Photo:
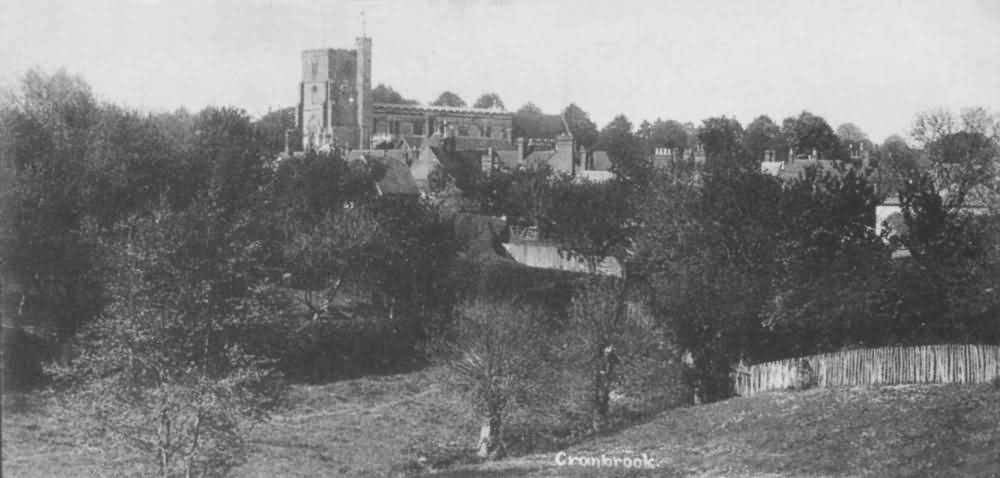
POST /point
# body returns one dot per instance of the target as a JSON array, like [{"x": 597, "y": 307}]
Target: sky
[{"x": 876, "y": 63}]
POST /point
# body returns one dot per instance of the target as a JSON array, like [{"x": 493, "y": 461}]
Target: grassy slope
[
  {"x": 373, "y": 426},
  {"x": 379, "y": 426},
  {"x": 933, "y": 431}
]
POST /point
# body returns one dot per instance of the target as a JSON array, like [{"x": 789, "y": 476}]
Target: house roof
[
  {"x": 397, "y": 179},
  {"x": 414, "y": 141},
  {"x": 794, "y": 169},
  {"x": 539, "y": 125},
  {"x": 479, "y": 143},
  {"x": 509, "y": 159}
]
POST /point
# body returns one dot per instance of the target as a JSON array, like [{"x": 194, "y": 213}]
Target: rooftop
[{"x": 440, "y": 109}]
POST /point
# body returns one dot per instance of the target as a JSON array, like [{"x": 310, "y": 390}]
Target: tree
[
  {"x": 489, "y": 101},
  {"x": 980, "y": 120},
  {"x": 597, "y": 338},
  {"x": 493, "y": 357},
  {"x": 592, "y": 220},
  {"x": 707, "y": 248},
  {"x": 669, "y": 134},
  {"x": 449, "y": 99},
  {"x": 529, "y": 108},
  {"x": 273, "y": 127},
  {"x": 930, "y": 126},
  {"x": 850, "y": 133},
  {"x": 761, "y": 135},
  {"x": 723, "y": 141},
  {"x": 584, "y": 130},
  {"x": 896, "y": 163},
  {"x": 48, "y": 125},
  {"x": 320, "y": 257},
  {"x": 628, "y": 161},
  {"x": 166, "y": 371},
  {"x": 809, "y": 132},
  {"x": 385, "y": 94}
]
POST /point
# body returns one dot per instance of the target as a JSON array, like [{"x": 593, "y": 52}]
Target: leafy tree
[
  {"x": 580, "y": 125},
  {"x": 489, "y": 101},
  {"x": 272, "y": 128},
  {"x": 850, "y": 133},
  {"x": 48, "y": 125},
  {"x": 763, "y": 134},
  {"x": 449, "y": 98},
  {"x": 669, "y": 134},
  {"x": 723, "y": 141},
  {"x": 494, "y": 359},
  {"x": 809, "y": 132},
  {"x": 321, "y": 257},
  {"x": 385, "y": 94},
  {"x": 166, "y": 372},
  {"x": 707, "y": 247},
  {"x": 941, "y": 293},
  {"x": 592, "y": 220},
  {"x": 896, "y": 163},
  {"x": 830, "y": 273},
  {"x": 529, "y": 108},
  {"x": 624, "y": 149}
]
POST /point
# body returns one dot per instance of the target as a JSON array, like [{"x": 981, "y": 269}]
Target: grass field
[{"x": 382, "y": 425}]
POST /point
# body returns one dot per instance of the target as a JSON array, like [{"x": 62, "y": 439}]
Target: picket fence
[{"x": 885, "y": 365}]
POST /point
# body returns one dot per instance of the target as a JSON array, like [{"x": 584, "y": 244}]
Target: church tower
[{"x": 335, "y": 108}]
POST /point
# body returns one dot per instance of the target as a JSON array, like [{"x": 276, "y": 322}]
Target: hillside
[
  {"x": 932, "y": 431},
  {"x": 383, "y": 425}
]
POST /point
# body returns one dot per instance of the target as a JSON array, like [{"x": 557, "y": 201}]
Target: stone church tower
[{"x": 335, "y": 97}]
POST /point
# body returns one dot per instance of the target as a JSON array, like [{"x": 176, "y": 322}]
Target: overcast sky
[{"x": 874, "y": 63}]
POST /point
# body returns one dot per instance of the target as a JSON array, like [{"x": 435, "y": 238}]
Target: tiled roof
[
  {"x": 509, "y": 159},
  {"x": 412, "y": 140},
  {"x": 438, "y": 109},
  {"x": 537, "y": 125},
  {"x": 478, "y": 143},
  {"x": 397, "y": 179}
]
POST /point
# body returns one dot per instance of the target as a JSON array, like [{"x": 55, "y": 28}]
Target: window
[
  {"x": 315, "y": 67},
  {"x": 406, "y": 127}
]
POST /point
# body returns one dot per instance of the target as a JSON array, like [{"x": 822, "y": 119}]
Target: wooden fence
[{"x": 886, "y": 365}]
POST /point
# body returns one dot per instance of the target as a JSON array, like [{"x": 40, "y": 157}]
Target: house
[
  {"x": 664, "y": 158},
  {"x": 396, "y": 180}
]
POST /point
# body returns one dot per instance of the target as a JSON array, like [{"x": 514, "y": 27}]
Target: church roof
[
  {"x": 538, "y": 125},
  {"x": 439, "y": 109}
]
